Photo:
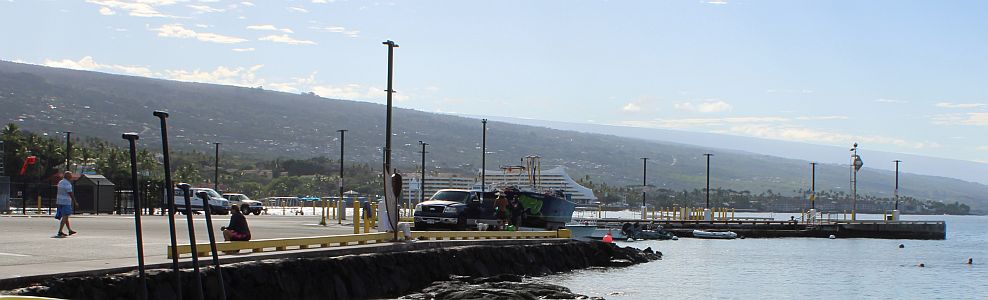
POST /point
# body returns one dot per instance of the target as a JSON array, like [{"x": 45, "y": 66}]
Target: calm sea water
[{"x": 803, "y": 268}]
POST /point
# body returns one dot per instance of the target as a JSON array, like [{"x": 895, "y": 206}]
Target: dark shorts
[{"x": 239, "y": 236}]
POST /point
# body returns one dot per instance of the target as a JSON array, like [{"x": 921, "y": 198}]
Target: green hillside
[{"x": 274, "y": 124}]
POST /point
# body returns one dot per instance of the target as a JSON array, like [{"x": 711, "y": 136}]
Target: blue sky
[{"x": 899, "y": 76}]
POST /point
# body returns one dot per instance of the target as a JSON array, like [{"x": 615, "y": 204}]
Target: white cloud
[
  {"x": 337, "y": 29},
  {"x": 961, "y": 105},
  {"x": 285, "y": 39},
  {"x": 817, "y": 136},
  {"x": 243, "y": 49},
  {"x": 973, "y": 119},
  {"x": 201, "y": 9},
  {"x": 704, "y": 107},
  {"x": 631, "y": 107},
  {"x": 140, "y": 8},
  {"x": 821, "y": 118},
  {"x": 177, "y": 31},
  {"x": 297, "y": 9},
  {"x": 245, "y": 3},
  {"x": 240, "y": 76},
  {"x": 883, "y": 100},
  {"x": 692, "y": 122},
  {"x": 269, "y": 27},
  {"x": 717, "y": 2},
  {"x": 354, "y": 92},
  {"x": 322, "y": 1},
  {"x": 106, "y": 11},
  {"x": 90, "y": 64},
  {"x": 983, "y": 148}
]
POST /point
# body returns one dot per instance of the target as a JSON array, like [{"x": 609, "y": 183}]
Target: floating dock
[{"x": 760, "y": 228}]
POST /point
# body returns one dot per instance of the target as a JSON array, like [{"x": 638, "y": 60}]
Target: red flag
[{"x": 30, "y": 160}]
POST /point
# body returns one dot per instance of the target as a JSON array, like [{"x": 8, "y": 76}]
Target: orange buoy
[{"x": 608, "y": 238}]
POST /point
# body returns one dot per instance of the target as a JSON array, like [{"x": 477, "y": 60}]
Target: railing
[{"x": 284, "y": 244}]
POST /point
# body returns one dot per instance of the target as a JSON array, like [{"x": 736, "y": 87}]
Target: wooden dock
[{"x": 760, "y": 228}]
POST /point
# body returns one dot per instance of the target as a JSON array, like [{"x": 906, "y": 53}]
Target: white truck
[
  {"x": 217, "y": 204},
  {"x": 247, "y": 206}
]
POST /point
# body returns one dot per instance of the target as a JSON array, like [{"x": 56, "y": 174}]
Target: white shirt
[{"x": 64, "y": 188}]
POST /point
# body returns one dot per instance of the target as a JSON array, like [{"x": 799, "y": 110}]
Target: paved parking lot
[{"x": 106, "y": 241}]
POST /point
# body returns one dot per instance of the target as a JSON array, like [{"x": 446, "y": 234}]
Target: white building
[{"x": 547, "y": 180}]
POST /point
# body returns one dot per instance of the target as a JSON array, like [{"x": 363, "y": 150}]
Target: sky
[{"x": 897, "y": 76}]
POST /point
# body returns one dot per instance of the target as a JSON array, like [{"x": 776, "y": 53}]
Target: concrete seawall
[{"x": 375, "y": 275}]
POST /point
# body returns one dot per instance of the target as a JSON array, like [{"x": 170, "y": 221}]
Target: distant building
[
  {"x": 544, "y": 181},
  {"x": 433, "y": 182},
  {"x": 547, "y": 180}
]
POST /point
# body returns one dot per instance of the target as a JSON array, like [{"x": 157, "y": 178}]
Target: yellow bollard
[
  {"x": 39, "y": 205},
  {"x": 372, "y": 217},
  {"x": 356, "y": 216},
  {"x": 367, "y": 221}
]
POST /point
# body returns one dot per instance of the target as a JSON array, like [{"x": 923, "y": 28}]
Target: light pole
[
  {"x": 483, "y": 161},
  {"x": 708, "y": 155},
  {"x": 422, "y": 181},
  {"x": 393, "y": 207},
  {"x": 897, "y": 183},
  {"x": 216, "y": 169},
  {"x": 644, "y": 184},
  {"x": 813, "y": 187},
  {"x": 342, "y": 203},
  {"x": 68, "y": 150},
  {"x": 856, "y": 164}
]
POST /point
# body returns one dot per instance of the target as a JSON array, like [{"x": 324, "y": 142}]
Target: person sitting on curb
[{"x": 238, "y": 229}]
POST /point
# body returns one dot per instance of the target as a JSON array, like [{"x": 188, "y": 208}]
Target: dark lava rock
[{"x": 505, "y": 286}]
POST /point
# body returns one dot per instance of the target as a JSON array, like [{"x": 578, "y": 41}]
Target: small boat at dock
[{"x": 725, "y": 235}]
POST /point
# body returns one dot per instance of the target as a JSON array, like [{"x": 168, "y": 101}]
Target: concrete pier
[{"x": 915, "y": 230}]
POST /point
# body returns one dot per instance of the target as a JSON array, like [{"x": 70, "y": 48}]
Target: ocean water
[{"x": 802, "y": 268}]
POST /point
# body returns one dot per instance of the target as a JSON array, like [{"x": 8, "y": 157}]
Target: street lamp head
[{"x": 390, "y": 43}]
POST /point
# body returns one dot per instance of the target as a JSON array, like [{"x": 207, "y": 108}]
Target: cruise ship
[{"x": 544, "y": 181}]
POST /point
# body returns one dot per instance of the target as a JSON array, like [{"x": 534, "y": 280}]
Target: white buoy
[
  {"x": 832, "y": 236},
  {"x": 631, "y": 239},
  {"x": 675, "y": 238}
]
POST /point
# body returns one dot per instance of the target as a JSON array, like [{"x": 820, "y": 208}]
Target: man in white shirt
[{"x": 66, "y": 202}]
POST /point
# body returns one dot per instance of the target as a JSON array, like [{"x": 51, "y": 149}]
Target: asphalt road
[{"x": 27, "y": 245}]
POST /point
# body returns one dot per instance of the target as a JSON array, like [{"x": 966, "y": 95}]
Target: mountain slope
[{"x": 275, "y": 124}]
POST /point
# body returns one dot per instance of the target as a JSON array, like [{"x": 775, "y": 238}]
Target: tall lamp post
[
  {"x": 895, "y": 212},
  {"x": 68, "y": 150},
  {"x": 216, "y": 169},
  {"x": 483, "y": 161},
  {"x": 393, "y": 207},
  {"x": 342, "y": 148},
  {"x": 644, "y": 184},
  {"x": 707, "y": 215},
  {"x": 856, "y": 164},
  {"x": 422, "y": 184},
  {"x": 813, "y": 187}
]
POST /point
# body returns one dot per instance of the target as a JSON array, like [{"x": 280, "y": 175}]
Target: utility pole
[
  {"x": 483, "y": 161},
  {"x": 422, "y": 181},
  {"x": 644, "y": 183},
  {"x": 342, "y": 148},
  {"x": 708, "y": 155},
  {"x": 813, "y": 187},
  {"x": 68, "y": 151},
  {"x": 897, "y": 183},
  {"x": 393, "y": 208},
  {"x": 856, "y": 164},
  {"x": 216, "y": 169}
]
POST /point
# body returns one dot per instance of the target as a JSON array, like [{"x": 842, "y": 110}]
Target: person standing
[
  {"x": 66, "y": 202},
  {"x": 501, "y": 205},
  {"x": 237, "y": 230}
]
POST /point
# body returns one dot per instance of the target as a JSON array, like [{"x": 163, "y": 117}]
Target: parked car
[
  {"x": 217, "y": 204},
  {"x": 455, "y": 209},
  {"x": 247, "y": 206}
]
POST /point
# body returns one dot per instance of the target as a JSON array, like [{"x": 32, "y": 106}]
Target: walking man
[{"x": 66, "y": 202}]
